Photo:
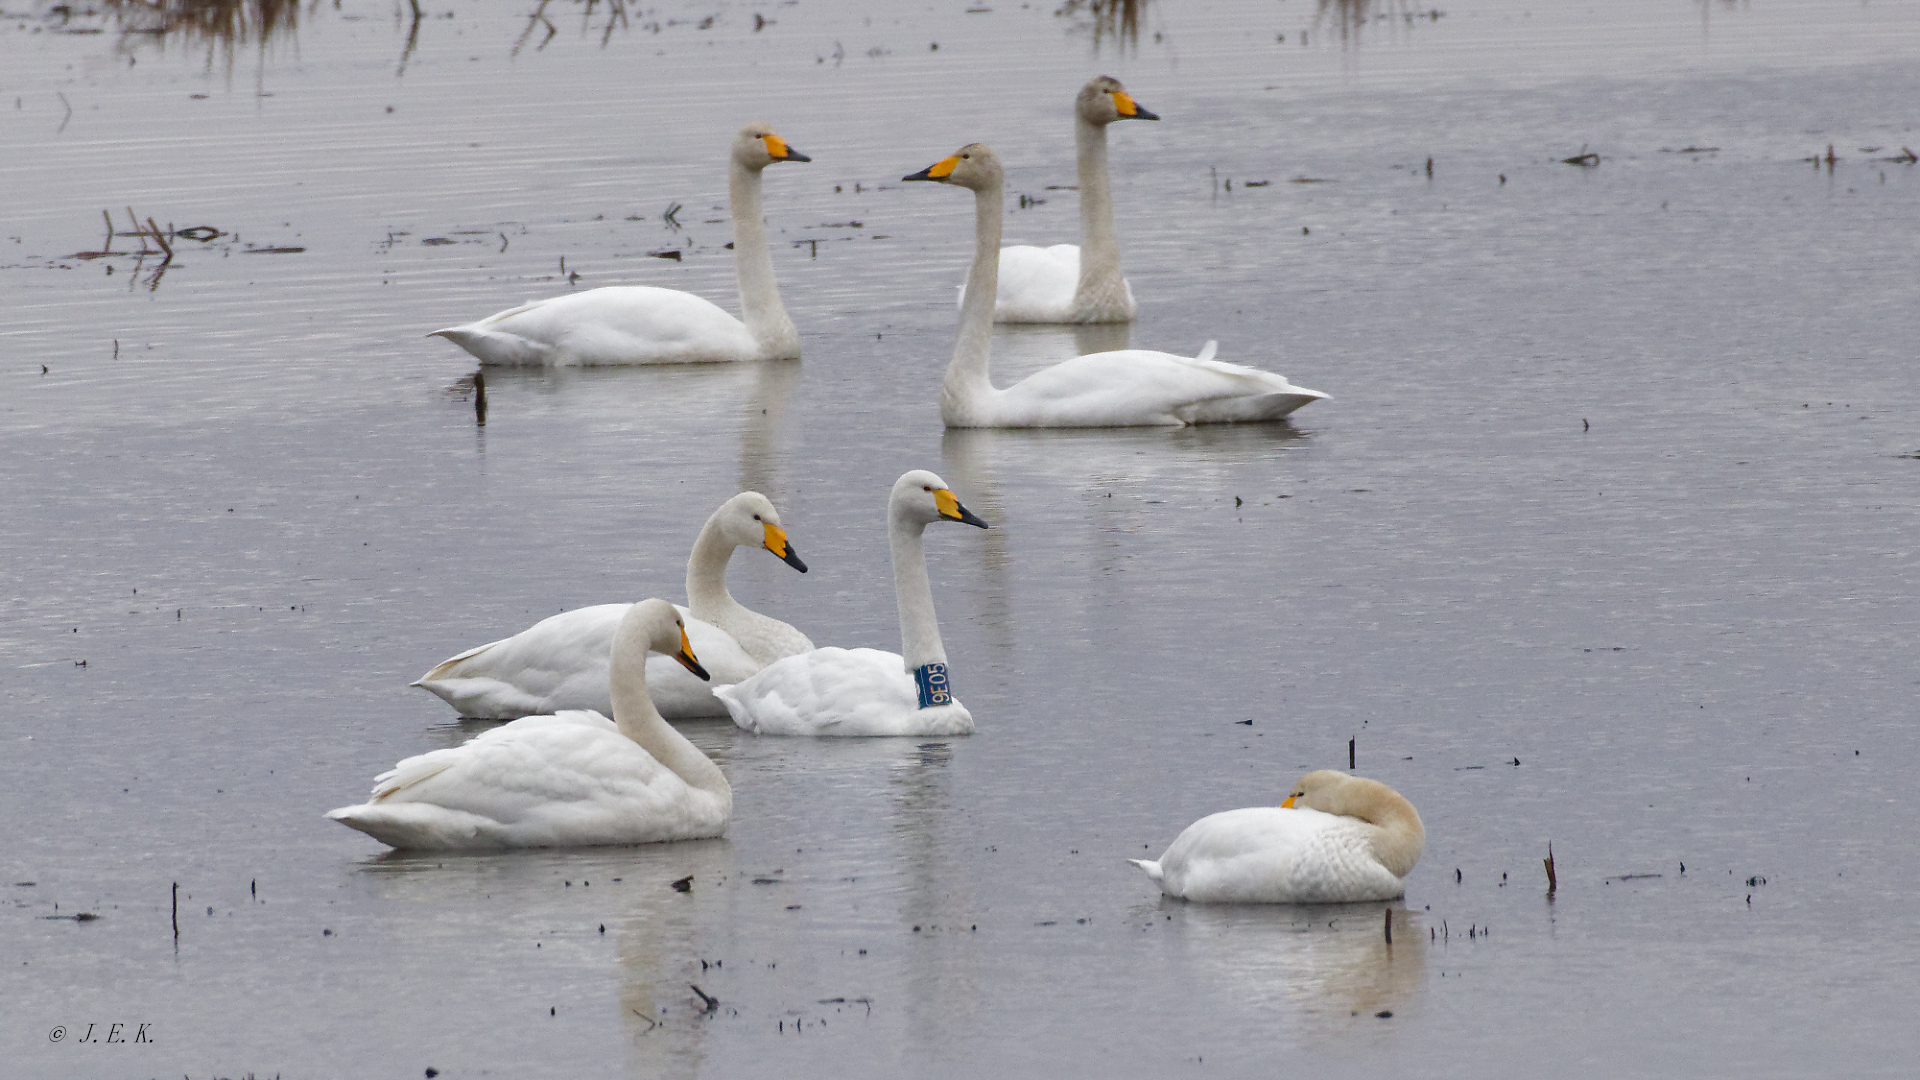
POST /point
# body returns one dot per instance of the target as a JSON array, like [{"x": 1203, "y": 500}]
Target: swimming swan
[
  {"x": 641, "y": 324},
  {"x": 1067, "y": 283},
  {"x": 866, "y": 691},
  {"x": 1349, "y": 839},
  {"x": 561, "y": 662},
  {"x": 1130, "y": 387},
  {"x": 573, "y": 778}
]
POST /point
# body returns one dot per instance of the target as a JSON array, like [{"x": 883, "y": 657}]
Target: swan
[
  {"x": 573, "y": 778},
  {"x": 867, "y": 691},
  {"x": 641, "y": 324},
  {"x": 561, "y": 662},
  {"x": 1349, "y": 839},
  {"x": 1054, "y": 284},
  {"x": 1126, "y": 388}
]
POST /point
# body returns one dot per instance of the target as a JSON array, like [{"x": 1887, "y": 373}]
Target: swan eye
[{"x": 756, "y": 517}]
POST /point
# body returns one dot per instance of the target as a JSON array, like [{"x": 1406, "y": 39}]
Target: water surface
[{"x": 1605, "y": 539}]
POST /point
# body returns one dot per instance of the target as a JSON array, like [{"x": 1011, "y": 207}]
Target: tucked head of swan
[
  {"x": 1398, "y": 843},
  {"x": 758, "y": 146},
  {"x": 974, "y": 166},
  {"x": 1103, "y": 100}
]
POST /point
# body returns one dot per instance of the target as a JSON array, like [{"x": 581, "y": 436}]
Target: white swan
[
  {"x": 1126, "y": 388},
  {"x": 574, "y": 778},
  {"x": 1349, "y": 839},
  {"x": 640, "y": 324},
  {"x": 1066, "y": 283},
  {"x": 561, "y": 662},
  {"x": 866, "y": 691}
]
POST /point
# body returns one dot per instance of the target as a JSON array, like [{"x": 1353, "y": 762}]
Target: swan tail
[
  {"x": 496, "y": 347},
  {"x": 447, "y": 669},
  {"x": 1152, "y": 867},
  {"x": 1207, "y": 350},
  {"x": 412, "y": 772}
]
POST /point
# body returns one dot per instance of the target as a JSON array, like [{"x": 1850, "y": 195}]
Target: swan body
[
  {"x": 562, "y": 661},
  {"x": 641, "y": 324},
  {"x": 1126, "y": 388},
  {"x": 861, "y": 692},
  {"x": 1352, "y": 839},
  {"x": 1053, "y": 284},
  {"x": 572, "y": 778}
]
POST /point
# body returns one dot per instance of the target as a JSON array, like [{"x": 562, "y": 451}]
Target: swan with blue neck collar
[{"x": 870, "y": 692}]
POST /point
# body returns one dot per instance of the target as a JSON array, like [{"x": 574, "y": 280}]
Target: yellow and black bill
[
  {"x": 951, "y": 509},
  {"x": 778, "y": 544},
  {"x": 1129, "y": 108},
  {"x": 685, "y": 656},
  {"x": 778, "y": 149},
  {"x": 939, "y": 170}
]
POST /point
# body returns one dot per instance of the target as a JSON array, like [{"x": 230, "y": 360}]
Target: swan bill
[
  {"x": 778, "y": 544},
  {"x": 778, "y": 150},
  {"x": 686, "y": 659},
  {"x": 938, "y": 171},
  {"x": 1130, "y": 109},
  {"x": 1287, "y": 804},
  {"x": 951, "y": 509}
]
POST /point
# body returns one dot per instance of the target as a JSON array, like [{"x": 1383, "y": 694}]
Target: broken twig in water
[
  {"x": 712, "y": 1002},
  {"x": 1389, "y": 924},
  {"x": 1553, "y": 880},
  {"x": 1585, "y": 159}
]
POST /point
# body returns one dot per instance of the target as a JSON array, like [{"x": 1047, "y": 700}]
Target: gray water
[{"x": 1606, "y": 539}]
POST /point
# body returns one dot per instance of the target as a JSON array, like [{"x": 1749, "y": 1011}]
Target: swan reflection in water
[{"x": 1319, "y": 963}]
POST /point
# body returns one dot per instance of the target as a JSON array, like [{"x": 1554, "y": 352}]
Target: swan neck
[
  {"x": 1398, "y": 836},
  {"x": 968, "y": 381},
  {"x": 707, "y": 595},
  {"x": 1099, "y": 246},
  {"x": 913, "y": 592},
  {"x": 637, "y": 719},
  {"x": 760, "y": 306}
]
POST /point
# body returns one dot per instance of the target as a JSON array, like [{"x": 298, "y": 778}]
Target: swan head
[
  {"x": 1103, "y": 100},
  {"x": 659, "y": 624},
  {"x": 749, "y": 520},
  {"x": 758, "y": 146},
  {"x": 924, "y": 499},
  {"x": 974, "y": 166}
]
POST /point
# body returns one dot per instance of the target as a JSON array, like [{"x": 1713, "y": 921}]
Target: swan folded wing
[
  {"x": 626, "y": 324},
  {"x": 557, "y": 663},
  {"x": 1274, "y": 855},
  {"x": 1131, "y": 387},
  {"x": 566, "y": 779},
  {"x": 838, "y": 692}
]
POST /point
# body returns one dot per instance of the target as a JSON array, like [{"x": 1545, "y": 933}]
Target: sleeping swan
[
  {"x": 561, "y": 662},
  {"x": 641, "y": 324},
  {"x": 574, "y": 778},
  {"x": 1126, "y": 388},
  {"x": 1348, "y": 839},
  {"x": 1065, "y": 283},
  {"x": 866, "y": 691}
]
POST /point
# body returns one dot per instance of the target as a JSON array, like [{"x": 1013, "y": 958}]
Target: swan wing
[
  {"x": 557, "y": 663},
  {"x": 562, "y": 662},
  {"x": 565, "y": 779},
  {"x": 1269, "y": 854},
  {"x": 1140, "y": 386},
  {"x": 838, "y": 692},
  {"x": 620, "y": 324}
]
